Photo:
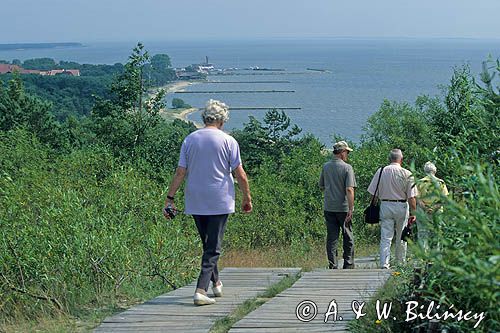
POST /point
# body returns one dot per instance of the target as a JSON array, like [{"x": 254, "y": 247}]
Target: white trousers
[{"x": 392, "y": 215}]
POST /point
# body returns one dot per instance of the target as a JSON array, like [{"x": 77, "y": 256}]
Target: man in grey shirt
[{"x": 337, "y": 181}]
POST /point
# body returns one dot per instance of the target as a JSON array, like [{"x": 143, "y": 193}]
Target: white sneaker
[
  {"x": 200, "y": 299},
  {"x": 217, "y": 290}
]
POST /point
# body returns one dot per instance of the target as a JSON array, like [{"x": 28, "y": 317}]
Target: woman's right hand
[
  {"x": 168, "y": 203},
  {"x": 247, "y": 206}
]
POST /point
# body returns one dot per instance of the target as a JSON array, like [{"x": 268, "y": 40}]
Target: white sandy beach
[
  {"x": 179, "y": 86},
  {"x": 184, "y": 116}
]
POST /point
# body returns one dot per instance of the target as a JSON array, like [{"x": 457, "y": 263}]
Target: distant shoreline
[
  {"x": 24, "y": 46},
  {"x": 175, "y": 114}
]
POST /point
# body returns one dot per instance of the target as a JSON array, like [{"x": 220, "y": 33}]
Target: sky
[{"x": 24, "y": 21}]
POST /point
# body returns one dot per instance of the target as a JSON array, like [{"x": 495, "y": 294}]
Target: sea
[{"x": 349, "y": 80}]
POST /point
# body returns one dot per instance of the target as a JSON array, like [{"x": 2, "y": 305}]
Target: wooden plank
[
  {"x": 175, "y": 311},
  {"x": 321, "y": 287}
]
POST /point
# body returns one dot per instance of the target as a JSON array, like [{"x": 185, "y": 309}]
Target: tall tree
[
  {"x": 19, "y": 109},
  {"x": 132, "y": 107}
]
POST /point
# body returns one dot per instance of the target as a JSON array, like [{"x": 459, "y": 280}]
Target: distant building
[
  {"x": 74, "y": 72},
  {"x": 204, "y": 68},
  {"x": 8, "y": 68},
  {"x": 188, "y": 75},
  {"x": 30, "y": 71},
  {"x": 53, "y": 72}
]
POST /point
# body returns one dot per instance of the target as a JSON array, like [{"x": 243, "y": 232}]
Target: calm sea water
[{"x": 363, "y": 72}]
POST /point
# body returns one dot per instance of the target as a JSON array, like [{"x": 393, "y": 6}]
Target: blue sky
[{"x": 149, "y": 20}]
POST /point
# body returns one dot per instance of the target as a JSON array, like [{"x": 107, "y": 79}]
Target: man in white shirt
[{"x": 397, "y": 192}]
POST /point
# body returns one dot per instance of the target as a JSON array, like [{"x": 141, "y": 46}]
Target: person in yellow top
[{"x": 431, "y": 191}]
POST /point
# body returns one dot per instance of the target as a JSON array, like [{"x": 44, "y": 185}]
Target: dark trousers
[
  {"x": 211, "y": 229},
  {"x": 334, "y": 222}
]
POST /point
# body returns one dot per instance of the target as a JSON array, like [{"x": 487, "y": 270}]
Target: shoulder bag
[{"x": 372, "y": 212}]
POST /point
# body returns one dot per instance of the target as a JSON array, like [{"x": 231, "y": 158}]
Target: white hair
[
  {"x": 395, "y": 155},
  {"x": 429, "y": 167},
  {"x": 215, "y": 111}
]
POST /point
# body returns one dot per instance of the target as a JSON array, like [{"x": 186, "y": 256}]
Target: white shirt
[{"x": 396, "y": 183}]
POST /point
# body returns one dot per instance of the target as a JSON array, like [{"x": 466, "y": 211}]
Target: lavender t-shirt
[{"x": 209, "y": 155}]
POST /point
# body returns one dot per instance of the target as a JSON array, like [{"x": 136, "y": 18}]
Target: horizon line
[{"x": 250, "y": 38}]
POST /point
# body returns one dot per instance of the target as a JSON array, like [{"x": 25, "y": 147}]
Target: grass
[
  {"x": 223, "y": 325},
  {"x": 393, "y": 291},
  {"x": 310, "y": 257},
  {"x": 84, "y": 321}
]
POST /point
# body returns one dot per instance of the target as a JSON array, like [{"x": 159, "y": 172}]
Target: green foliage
[
  {"x": 160, "y": 71},
  {"x": 272, "y": 139},
  {"x": 76, "y": 196},
  {"x": 75, "y": 96},
  {"x": 69, "y": 95},
  {"x": 43, "y": 64},
  {"x": 130, "y": 124},
  {"x": 403, "y": 126},
  {"x": 81, "y": 230},
  {"x": 178, "y": 103},
  {"x": 18, "y": 109},
  {"x": 461, "y": 267},
  {"x": 161, "y": 62},
  {"x": 466, "y": 249},
  {"x": 287, "y": 202},
  {"x": 397, "y": 291},
  {"x": 471, "y": 115}
]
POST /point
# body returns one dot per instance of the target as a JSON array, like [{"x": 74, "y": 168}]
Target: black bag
[
  {"x": 372, "y": 212},
  {"x": 407, "y": 233}
]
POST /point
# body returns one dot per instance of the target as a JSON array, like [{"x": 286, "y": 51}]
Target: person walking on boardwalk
[
  {"x": 208, "y": 158},
  {"x": 431, "y": 191},
  {"x": 337, "y": 181},
  {"x": 397, "y": 193}
]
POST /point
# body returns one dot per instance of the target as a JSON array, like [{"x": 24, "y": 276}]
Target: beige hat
[{"x": 341, "y": 145}]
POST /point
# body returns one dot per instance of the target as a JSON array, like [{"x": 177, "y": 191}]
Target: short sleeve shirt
[
  {"x": 335, "y": 177},
  {"x": 396, "y": 183},
  {"x": 209, "y": 155},
  {"x": 428, "y": 188}
]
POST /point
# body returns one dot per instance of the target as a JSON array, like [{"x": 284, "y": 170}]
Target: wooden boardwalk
[
  {"x": 175, "y": 312},
  {"x": 321, "y": 287}
]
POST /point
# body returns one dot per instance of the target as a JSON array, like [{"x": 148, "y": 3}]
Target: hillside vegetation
[{"x": 81, "y": 198}]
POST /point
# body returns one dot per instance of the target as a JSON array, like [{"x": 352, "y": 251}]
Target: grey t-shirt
[{"x": 335, "y": 177}]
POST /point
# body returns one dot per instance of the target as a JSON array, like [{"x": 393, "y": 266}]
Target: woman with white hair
[
  {"x": 431, "y": 190},
  {"x": 208, "y": 158}
]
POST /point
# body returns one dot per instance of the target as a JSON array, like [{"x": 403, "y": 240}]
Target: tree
[
  {"x": 161, "y": 62},
  {"x": 159, "y": 70},
  {"x": 131, "y": 112},
  {"x": 470, "y": 120},
  {"x": 272, "y": 139},
  {"x": 21, "y": 110},
  {"x": 40, "y": 63},
  {"x": 178, "y": 103}
]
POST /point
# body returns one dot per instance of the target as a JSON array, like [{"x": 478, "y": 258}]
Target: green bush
[
  {"x": 461, "y": 268},
  {"x": 82, "y": 230},
  {"x": 465, "y": 252},
  {"x": 178, "y": 103}
]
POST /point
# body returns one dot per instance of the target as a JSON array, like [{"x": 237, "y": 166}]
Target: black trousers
[
  {"x": 211, "y": 229},
  {"x": 334, "y": 222}
]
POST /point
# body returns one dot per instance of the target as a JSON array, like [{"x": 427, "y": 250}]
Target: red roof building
[
  {"x": 7, "y": 68},
  {"x": 30, "y": 71}
]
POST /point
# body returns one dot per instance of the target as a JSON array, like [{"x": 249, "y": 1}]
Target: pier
[
  {"x": 247, "y": 82},
  {"x": 235, "y": 92},
  {"x": 265, "y": 108}
]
